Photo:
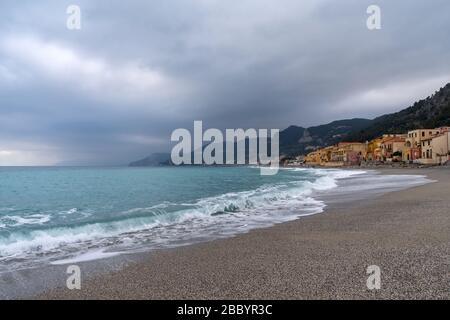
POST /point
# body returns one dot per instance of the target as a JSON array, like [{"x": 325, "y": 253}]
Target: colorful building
[
  {"x": 436, "y": 149},
  {"x": 313, "y": 158},
  {"x": 392, "y": 148},
  {"x": 374, "y": 150}
]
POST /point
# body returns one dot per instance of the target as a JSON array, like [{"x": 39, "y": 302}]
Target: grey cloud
[{"x": 251, "y": 63}]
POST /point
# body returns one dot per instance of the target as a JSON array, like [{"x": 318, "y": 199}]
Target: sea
[{"x": 66, "y": 215}]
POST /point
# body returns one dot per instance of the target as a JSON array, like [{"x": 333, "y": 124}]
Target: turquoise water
[{"x": 58, "y": 215}]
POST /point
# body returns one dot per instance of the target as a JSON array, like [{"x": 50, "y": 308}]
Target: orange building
[{"x": 392, "y": 148}]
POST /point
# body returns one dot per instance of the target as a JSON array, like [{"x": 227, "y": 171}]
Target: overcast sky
[{"x": 114, "y": 91}]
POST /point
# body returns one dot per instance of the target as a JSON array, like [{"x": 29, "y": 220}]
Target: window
[{"x": 423, "y": 133}]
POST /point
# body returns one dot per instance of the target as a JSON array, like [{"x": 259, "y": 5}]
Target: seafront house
[
  {"x": 413, "y": 144},
  {"x": 325, "y": 155},
  {"x": 427, "y": 151},
  {"x": 392, "y": 148},
  {"x": 441, "y": 147},
  {"x": 436, "y": 149},
  {"x": 348, "y": 153},
  {"x": 375, "y": 147},
  {"x": 313, "y": 158},
  {"x": 374, "y": 150}
]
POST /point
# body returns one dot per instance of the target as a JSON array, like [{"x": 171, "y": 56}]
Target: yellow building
[
  {"x": 313, "y": 158},
  {"x": 374, "y": 150},
  {"x": 325, "y": 155}
]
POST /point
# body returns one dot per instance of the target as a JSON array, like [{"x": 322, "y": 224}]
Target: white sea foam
[
  {"x": 89, "y": 256},
  {"x": 26, "y": 220},
  {"x": 71, "y": 211}
]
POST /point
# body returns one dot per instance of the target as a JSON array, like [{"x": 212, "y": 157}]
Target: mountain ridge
[
  {"x": 431, "y": 112},
  {"x": 297, "y": 140}
]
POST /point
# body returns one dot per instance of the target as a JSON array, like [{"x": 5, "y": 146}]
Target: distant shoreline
[{"x": 372, "y": 166}]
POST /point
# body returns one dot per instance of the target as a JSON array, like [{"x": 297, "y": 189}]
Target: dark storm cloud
[{"x": 114, "y": 90}]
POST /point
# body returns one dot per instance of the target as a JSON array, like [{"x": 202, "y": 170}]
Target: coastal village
[{"x": 421, "y": 146}]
